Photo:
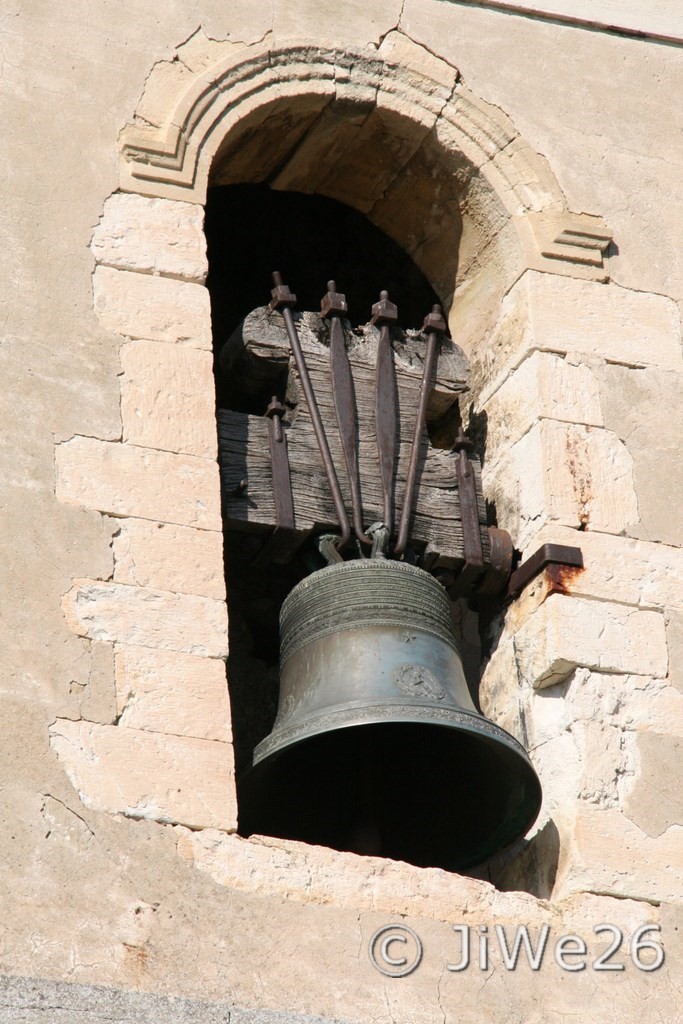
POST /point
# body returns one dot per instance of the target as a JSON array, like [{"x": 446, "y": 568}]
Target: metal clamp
[
  {"x": 284, "y": 539},
  {"x": 469, "y": 515},
  {"x": 282, "y": 485}
]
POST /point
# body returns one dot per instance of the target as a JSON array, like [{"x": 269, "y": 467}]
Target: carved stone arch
[{"x": 392, "y": 132}]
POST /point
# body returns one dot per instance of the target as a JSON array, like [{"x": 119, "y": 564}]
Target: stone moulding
[{"x": 173, "y": 160}]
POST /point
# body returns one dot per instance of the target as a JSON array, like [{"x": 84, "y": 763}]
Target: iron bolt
[
  {"x": 384, "y": 311},
  {"x": 334, "y": 302}
]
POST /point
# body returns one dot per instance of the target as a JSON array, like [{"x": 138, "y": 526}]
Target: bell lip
[
  {"x": 509, "y": 830},
  {"x": 346, "y": 716}
]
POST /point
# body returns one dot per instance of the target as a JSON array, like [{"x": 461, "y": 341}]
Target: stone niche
[{"x": 393, "y": 133}]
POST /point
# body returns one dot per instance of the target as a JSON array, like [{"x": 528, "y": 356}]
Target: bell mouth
[{"x": 434, "y": 794}]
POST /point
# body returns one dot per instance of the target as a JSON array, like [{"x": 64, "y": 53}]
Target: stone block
[
  {"x": 674, "y": 637},
  {"x": 544, "y": 386},
  {"x": 148, "y": 775},
  {"x": 573, "y": 475},
  {"x": 117, "y": 613},
  {"x": 558, "y": 764},
  {"x": 169, "y": 78},
  {"x": 607, "y": 757},
  {"x": 93, "y": 698},
  {"x": 156, "y": 308},
  {"x": 640, "y": 407},
  {"x": 179, "y": 694},
  {"x": 550, "y": 313},
  {"x": 569, "y": 632},
  {"x": 634, "y": 703},
  {"x": 622, "y": 326},
  {"x": 167, "y": 557},
  {"x": 152, "y": 236},
  {"x": 126, "y": 480},
  {"x": 655, "y": 799},
  {"x": 314, "y": 874},
  {"x": 609, "y": 854},
  {"x": 168, "y": 398},
  {"x": 399, "y": 51},
  {"x": 370, "y": 22},
  {"x": 501, "y": 692},
  {"x": 615, "y": 569},
  {"x": 605, "y": 712}
]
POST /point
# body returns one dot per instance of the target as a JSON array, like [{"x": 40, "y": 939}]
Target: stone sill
[{"x": 307, "y": 874}]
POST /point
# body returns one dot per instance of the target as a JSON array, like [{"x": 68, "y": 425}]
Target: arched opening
[
  {"x": 389, "y": 210},
  {"x": 394, "y": 161}
]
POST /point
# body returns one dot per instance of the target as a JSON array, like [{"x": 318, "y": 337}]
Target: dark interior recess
[{"x": 252, "y": 230}]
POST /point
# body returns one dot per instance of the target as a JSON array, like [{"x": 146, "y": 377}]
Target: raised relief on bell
[
  {"x": 417, "y": 681},
  {"x": 286, "y": 709}
]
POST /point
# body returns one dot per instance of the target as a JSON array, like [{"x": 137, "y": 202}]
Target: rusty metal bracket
[{"x": 548, "y": 554}]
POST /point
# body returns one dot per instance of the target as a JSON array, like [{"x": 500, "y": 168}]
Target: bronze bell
[{"x": 377, "y": 747}]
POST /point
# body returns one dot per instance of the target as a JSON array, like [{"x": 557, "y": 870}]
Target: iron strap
[
  {"x": 386, "y": 412},
  {"x": 333, "y": 306}
]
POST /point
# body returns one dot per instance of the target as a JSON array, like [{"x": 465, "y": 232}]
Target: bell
[{"x": 377, "y": 747}]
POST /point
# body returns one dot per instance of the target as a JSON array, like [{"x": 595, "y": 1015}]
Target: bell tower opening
[{"x": 336, "y": 690}]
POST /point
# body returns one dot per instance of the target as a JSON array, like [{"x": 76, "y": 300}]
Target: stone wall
[{"x": 540, "y": 141}]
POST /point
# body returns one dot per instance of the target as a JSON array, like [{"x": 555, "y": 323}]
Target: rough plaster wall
[
  {"x": 600, "y": 107},
  {"x": 95, "y": 899}
]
